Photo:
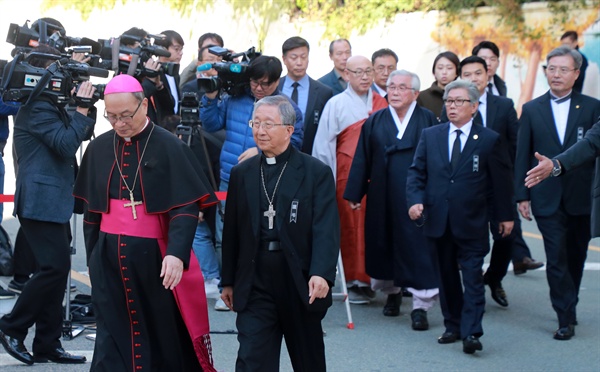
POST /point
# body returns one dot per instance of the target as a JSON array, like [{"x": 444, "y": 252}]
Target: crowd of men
[{"x": 406, "y": 184}]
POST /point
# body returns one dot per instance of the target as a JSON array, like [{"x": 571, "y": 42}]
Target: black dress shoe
[
  {"x": 392, "y": 305},
  {"x": 471, "y": 344},
  {"x": 16, "y": 349},
  {"x": 419, "y": 320},
  {"x": 497, "y": 291},
  {"x": 59, "y": 356},
  {"x": 565, "y": 333},
  {"x": 527, "y": 264},
  {"x": 448, "y": 337}
]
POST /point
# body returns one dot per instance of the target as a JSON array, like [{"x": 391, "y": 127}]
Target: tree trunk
[{"x": 529, "y": 83}]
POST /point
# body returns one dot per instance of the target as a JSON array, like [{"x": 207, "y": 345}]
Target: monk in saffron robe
[{"x": 335, "y": 144}]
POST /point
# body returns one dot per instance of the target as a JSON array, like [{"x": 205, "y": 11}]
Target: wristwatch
[{"x": 556, "y": 169}]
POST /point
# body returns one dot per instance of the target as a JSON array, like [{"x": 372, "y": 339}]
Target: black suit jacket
[
  {"x": 331, "y": 80},
  {"x": 318, "y": 95},
  {"x": 537, "y": 133},
  {"x": 579, "y": 154},
  {"x": 310, "y": 241},
  {"x": 460, "y": 197},
  {"x": 500, "y": 85},
  {"x": 501, "y": 117}
]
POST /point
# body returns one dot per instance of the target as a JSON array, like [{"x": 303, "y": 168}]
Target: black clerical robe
[
  {"x": 395, "y": 247},
  {"x": 139, "y": 322}
]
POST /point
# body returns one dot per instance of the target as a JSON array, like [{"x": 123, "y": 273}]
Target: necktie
[
  {"x": 295, "y": 92},
  {"x": 455, "y": 150},
  {"x": 490, "y": 88}
]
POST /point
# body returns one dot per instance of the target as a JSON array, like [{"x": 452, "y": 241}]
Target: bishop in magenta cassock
[{"x": 143, "y": 189}]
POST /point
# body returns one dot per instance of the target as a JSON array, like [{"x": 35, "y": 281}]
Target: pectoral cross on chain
[
  {"x": 133, "y": 203},
  {"x": 270, "y": 213}
]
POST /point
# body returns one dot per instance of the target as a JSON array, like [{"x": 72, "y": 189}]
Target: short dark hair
[
  {"x": 293, "y": 43},
  {"x": 472, "y": 59},
  {"x": 335, "y": 41},
  {"x": 43, "y": 62},
  {"x": 210, "y": 35},
  {"x": 570, "y": 34},
  {"x": 170, "y": 37},
  {"x": 486, "y": 45},
  {"x": 383, "y": 53},
  {"x": 450, "y": 57},
  {"x": 265, "y": 66},
  {"x": 139, "y": 33}
]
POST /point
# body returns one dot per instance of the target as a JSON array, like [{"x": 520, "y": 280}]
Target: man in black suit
[
  {"x": 456, "y": 165},
  {"x": 549, "y": 125},
  {"x": 498, "y": 114},
  {"x": 280, "y": 246},
  {"x": 310, "y": 95},
  {"x": 569, "y": 39},
  {"x": 384, "y": 62},
  {"x": 490, "y": 52},
  {"x": 577, "y": 155},
  {"x": 339, "y": 52},
  {"x": 173, "y": 42}
]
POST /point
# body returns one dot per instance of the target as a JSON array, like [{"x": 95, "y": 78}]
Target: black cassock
[
  {"x": 395, "y": 248},
  {"x": 138, "y": 321}
]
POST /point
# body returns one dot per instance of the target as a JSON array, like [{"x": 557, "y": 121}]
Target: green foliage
[{"x": 84, "y": 7}]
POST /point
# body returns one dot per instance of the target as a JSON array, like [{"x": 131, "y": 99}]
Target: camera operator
[
  {"x": 46, "y": 139},
  {"x": 204, "y": 56},
  {"x": 233, "y": 113},
  {"x": 173, "y": 42},
  {"x": 206, "y": 40},
  {"x": 160, "y": 101}
]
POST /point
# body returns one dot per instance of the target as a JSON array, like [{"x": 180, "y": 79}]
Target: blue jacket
[
  {"x": 5, "y": 111},
  {"x": 233, "y": 114}
]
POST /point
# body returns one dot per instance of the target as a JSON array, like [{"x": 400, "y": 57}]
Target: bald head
[{"x": 359, "y": 73}]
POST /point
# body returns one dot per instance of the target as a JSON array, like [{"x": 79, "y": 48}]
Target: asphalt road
[{"x": 517, "y": 338}]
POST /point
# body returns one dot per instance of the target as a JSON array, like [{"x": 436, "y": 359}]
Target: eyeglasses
[
  {"x": 127, "y": 119},
  {"x": 381, "y": 69},
  {"x": 265, "y": 125},
  {"x": 264, "y": 85},
  {"x": 360, "y": 72},
  {"x": 456, "y": 102},
  {"x": 561, "y": 70},
  {"x": 400, "y": 88}
]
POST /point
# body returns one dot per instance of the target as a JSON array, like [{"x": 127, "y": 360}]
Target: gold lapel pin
[
  {"x": 475, "y": 137},
  {"x": 577, "y": 106}
]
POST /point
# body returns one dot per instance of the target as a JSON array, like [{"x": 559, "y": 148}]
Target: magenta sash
[{"x": 189, "y": 293}]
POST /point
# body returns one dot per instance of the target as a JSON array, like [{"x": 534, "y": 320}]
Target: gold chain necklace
[{"x": 132, "y": 203}]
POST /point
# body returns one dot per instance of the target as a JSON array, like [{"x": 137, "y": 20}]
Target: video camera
[
  {"x": 232, "y": 75},
  {"x": 25, "y": 38},
  {"x": 22, "y": 82},
  {"x": 128, "y": 54}
]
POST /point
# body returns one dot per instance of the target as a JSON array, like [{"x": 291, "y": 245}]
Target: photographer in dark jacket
[
  {"x": 160, "y": 100},
  {"x": 46, "y": 139}
]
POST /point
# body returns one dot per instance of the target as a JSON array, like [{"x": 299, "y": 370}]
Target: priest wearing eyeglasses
[
  {"x": 280, "y": 246},
  {"x": 143, "y": 189}
]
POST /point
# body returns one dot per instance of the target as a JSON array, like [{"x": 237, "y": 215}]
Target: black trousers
[
  {"x": 462, "y": 310},
  {"x": 23, "y": 258},
  {"x": 275, "y": 309},
  {"x": 40, "y": 303},
  {"x": 504, "y": 249},
  {"x": 566, "y": 239}
]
